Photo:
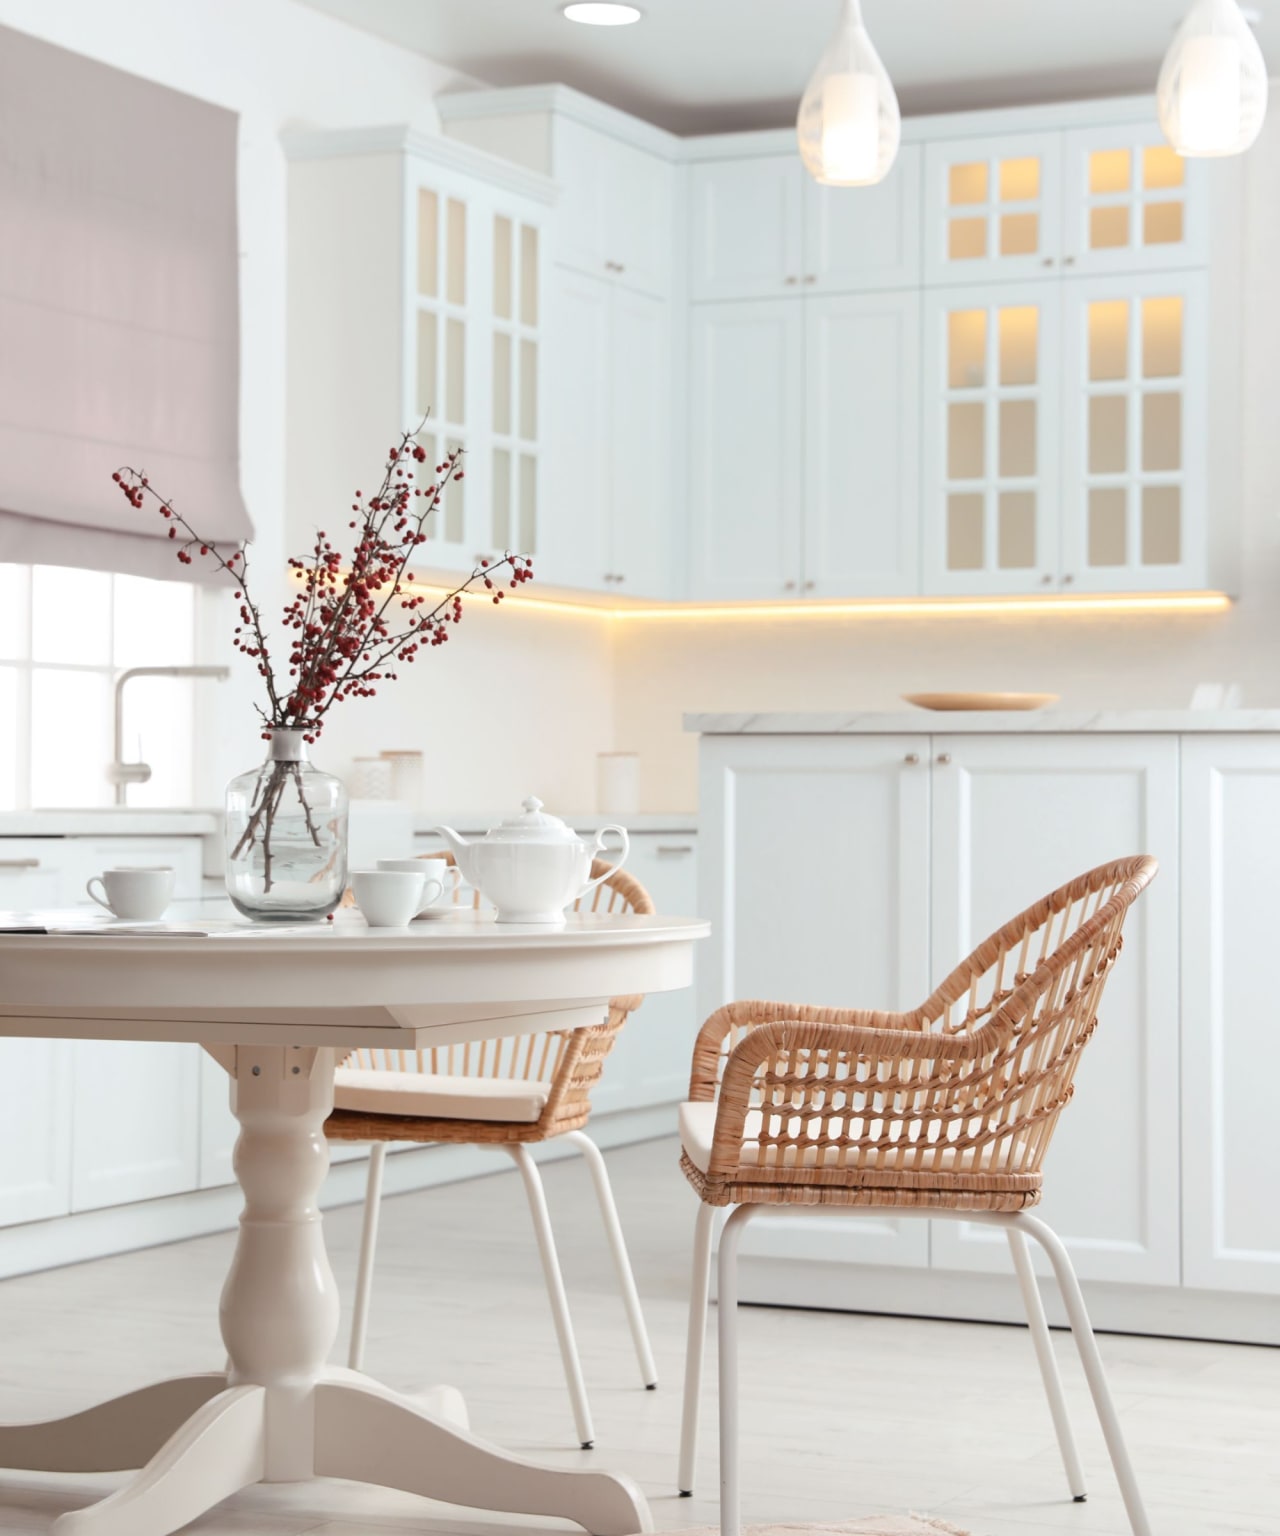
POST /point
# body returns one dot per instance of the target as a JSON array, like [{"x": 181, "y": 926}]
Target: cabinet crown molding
[
  {"x": 563, "y": 100},
  {"x": 402, "y": 139}
]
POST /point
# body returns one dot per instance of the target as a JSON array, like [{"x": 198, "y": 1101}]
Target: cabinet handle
[
  {"x": 791, "y": 281},
  {"x": 19, "y": 863},
  {"x": 911, "y": 759},
  {"x": 673, "y": 848},
  {"x": 1068, "y": 261},
  {"x": 1046, "y": 579},
  {"x": 944, "y": 758},
  {"x": 810, "y": 277},
  {"x": 788, "y": 586},
  {"x": 1047, "y": 261},
  {"x": 809, "y": 585},
  {"x": 1067, "y": 579}
]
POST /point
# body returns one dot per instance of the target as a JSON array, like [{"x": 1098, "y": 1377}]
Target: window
[{"x": 65, "y": 635}]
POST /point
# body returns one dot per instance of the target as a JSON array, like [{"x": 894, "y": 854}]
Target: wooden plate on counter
[{"x": 950, "y": 701}]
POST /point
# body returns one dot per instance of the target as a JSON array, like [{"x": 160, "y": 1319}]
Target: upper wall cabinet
[
  {"x": 416, "y": 295},
  {"x": 760, "y": 227},
  {"x": 1021, "y": 205}
]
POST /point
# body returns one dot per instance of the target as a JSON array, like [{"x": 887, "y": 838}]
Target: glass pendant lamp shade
[
  {"x": 849, "y": 124},
  {"x": 1212, "y": 92}
]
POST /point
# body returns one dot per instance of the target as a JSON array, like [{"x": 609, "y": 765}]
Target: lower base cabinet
[{"x": 858, "y": 870}]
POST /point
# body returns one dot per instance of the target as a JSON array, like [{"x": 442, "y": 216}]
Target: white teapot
[{"x": 533, "y": 866}]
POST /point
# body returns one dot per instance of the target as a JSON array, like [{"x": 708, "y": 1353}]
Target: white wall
[
  {"x": 664, "y": 669},
  {"x": 513, "y": 705}
]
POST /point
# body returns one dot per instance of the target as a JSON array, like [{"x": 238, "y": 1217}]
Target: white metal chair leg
[
  {"x": 1082, "y": 1332},
  {"x": 555, "y": 1290},
  {"x": 727, "y": 1314},
  {"x": 621, "y": 1258},
  {"x": 1047, "y": 1361},
  {"x": 695, "y": 1347},
  {"x": 368, "y": 1245}
]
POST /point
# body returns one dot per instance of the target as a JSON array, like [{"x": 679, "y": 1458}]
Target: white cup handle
[
  {"x": 617, "y": 863},
  {"x": 101, "y": 900},
  {"x": 433, "y": 888}
]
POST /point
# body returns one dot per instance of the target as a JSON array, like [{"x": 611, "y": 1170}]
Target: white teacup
[
  {"x": 440, "y": 892},
  {"x": 137, "y": 895},
  {"x": 389, "y": 898}
]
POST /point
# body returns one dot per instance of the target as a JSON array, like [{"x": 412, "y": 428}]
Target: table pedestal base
[
  {"x": 280, "y": 1414},
  {"x": 198, "y": 1441}
]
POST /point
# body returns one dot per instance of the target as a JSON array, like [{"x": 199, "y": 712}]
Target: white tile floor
[{"x": 843, "y": 1415}]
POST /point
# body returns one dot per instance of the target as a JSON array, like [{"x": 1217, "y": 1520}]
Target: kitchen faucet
[{"x": 120, "y": 773}]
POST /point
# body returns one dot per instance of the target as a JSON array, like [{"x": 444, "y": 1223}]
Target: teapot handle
[{"x": 599, "y": 848}]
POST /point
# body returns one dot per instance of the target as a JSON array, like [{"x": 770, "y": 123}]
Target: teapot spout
[{"x": 460, "y": 848}]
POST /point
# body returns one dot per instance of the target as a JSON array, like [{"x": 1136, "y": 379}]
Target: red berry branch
[{"x": 351, "y": 623}]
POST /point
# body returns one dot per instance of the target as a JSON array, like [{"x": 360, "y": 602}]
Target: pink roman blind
[{"x": 119, "y": 323}]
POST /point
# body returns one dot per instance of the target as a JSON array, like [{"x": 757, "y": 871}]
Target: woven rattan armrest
[{"x": 709, "y": 1048}]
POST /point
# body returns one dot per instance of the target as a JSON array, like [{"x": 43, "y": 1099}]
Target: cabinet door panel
[
  {"x": 991, "y": 389},
  {"x": 640, "y": 436},
  {"x": 1230, "y": 917},
  {"x": 858, "y": 238},
  {"x": 1013, "y": 818},
  {"x": 814, "y": 858},
  {"x": 582, "y": 209},
  {"x": 650, "y": 1063},
  {"x": 575, "y": 538},
  {"x": 1130, "y": 202},
  {"x": 862, "y": 501},
  {"x": 640, "y": 188},
  {"x": 1135, "y": 432},
  {"x": 745, "y": 449},
  {"x": 745, "y": 228},
  {"x": 137, "y": 1121},
  {"x": 992, "y": 208},
  {"x": 35, "y": 1130}
]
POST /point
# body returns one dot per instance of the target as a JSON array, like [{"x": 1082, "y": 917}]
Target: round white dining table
[{"x": 279, "y": 1008}]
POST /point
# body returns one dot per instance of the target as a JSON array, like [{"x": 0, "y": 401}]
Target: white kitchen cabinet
[
  {"x": 814, "y": 874},
  {"x": 31, "y": 872},
  {"x": 746, "y": 447},
  {"x": 609, "y": 471},
  {"x": 1013, "y": 818},
  {"x": 992, "y": 208},
  {"x": 437, "y": 321},
  {"x": 760, "y": 225},
  {"x": 649, "y": 1064},
  {"x": 1230, "y": 1130},
  {"x": 861, "y": 467},
  {"x": 746, "y": 227},
  {"x": 991, "y": 439},
  {"x": 1134, "y": 419},
  {"x": 35, "y": 1130}
]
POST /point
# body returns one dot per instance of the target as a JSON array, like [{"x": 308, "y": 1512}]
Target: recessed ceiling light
[{"x": 602, "y": 13}]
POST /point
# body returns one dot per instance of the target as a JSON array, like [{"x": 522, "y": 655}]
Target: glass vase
[{"x": 286, "y": 829}]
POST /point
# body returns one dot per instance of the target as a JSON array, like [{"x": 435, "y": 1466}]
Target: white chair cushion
[
  {"x": 698, "y": 1123},
  {"x": 437, "y": 1096}
]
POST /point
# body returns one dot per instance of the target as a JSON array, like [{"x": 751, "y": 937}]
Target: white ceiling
[{"x": 698, "y": 66}]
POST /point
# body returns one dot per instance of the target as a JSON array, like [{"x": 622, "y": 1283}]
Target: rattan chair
[
  {"x": 944, "y": 1112},
  {"x": 512, "y": 1093}
]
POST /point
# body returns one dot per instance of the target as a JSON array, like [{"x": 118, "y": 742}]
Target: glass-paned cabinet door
[
  {"x": 1135, "y": 430},
  {"x": 1130, "y": 203},
  {"x": 440, "y": 352},
  {"x": 514, "y": 430},
  {"x": 991, "y": 394},
  {"x": 992, "y": 208}
]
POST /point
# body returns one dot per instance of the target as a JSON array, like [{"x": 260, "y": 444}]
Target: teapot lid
[{"x": 533, "y": 825}]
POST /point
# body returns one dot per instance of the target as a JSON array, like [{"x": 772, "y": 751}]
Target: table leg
[{"x": 280, "y": 1414}]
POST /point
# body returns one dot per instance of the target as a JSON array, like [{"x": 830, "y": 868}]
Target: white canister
[
  {"x": 406, "y": 777},
  {"x": 370, "y": 779},
  {"x": 617, "y": 783}
]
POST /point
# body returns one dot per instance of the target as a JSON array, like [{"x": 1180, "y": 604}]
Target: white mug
[
  {"x": 389, "y": 898},
  {"x": 137, "y": 895},
  {"x": 442, "y": 881}
]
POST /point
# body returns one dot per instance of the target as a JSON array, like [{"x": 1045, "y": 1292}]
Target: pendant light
[
  {"x": 849, "y": 124},
  {"x": 1212, "y": 92}
]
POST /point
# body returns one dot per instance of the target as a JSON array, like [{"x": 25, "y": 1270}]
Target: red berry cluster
[{"x": 349, "y": 622}]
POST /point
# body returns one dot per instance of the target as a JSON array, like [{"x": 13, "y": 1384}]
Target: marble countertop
[
  {"x": 927, "y": 722},
  {"x": 114, "y": 821}
]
